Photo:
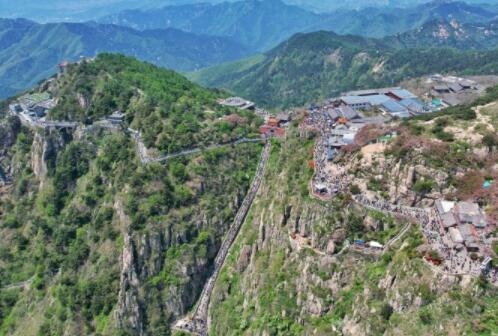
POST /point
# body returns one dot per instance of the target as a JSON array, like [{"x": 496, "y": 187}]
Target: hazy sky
[{"x": 64, "y": 10}]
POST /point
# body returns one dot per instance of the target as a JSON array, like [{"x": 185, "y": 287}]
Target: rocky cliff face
[
  {"x": 397, "y": 178},
  {"x": 143, "y": 259},
  {"x": 46, "y": 145},
  {"x": 9, "y": 129},
  {"x": 142, "y": 271},
  {"x": 130, "y": 311},
  {"x": 288, "y": 273}
]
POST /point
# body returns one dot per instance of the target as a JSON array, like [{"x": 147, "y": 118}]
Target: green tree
[
  {"x": 490, "y": 140},
  {"x": 423, "y": 187}
]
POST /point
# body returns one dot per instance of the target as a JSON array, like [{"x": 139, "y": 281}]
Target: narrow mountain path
[
  {"x": 22, "y": 284},
  {"x": 145, "y": 158},
  {"x": 393, "y": 240},
  {"x": 199, "y": 150},
  {"x": 197, "y": 323}
]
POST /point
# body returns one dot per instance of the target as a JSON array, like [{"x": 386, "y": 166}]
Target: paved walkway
[
  {"x": 199, "y": 150},
  {"x": 197, "y": 323},
  {"x": 145, "y": 157},
  {"x": 30, "y": 122}
]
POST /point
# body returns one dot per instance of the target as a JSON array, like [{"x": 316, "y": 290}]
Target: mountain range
[
  {"x": 75, "y": 10},
  {"x": 193, "y": 36},
  {"x": 30, "y": 51},
  {"x": 333, "y": 5},
  {"x": 255, "y": 23},
  {"x": 320, "y": 65},
  {"x": 143, "y": 203},
  {"x": 449, "y": 33}
]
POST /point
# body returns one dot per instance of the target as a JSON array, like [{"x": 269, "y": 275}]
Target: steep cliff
[
  {"x": 291, "y": 272},
  {"x": 9, "y": 129},
  {"x": 46, "y": 145}
]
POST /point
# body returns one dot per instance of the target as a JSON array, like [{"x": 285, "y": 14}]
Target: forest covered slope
[{"x": 94, "y": 241}]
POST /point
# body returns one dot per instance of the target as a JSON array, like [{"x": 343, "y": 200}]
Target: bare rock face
[
  {"x": 37, "y": 153},
  {"x": 330, "y": 247},
  {"x": 409, "y": 177},
  {"x": 339, "y": 235},
  {"x": 129, "y": 314},
  {"x": 44, "y": 149},
  {"x": 387, "y": 282},
  {"x": 244, "y": 258},
  {"x": 481, "y": 153},
  {"x": 314, "y": 305},
  {"x": 351, "y": 327},
  {"x": 82, "y": 101},
  {"x": 423, "y": 249},
  {"x": 370, "y": 223},
  {"x": 8, "y": 135}
]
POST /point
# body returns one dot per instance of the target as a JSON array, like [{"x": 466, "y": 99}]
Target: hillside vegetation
[
  {"x": 94, "y": 241},
  {"x": 171, "y": 112}
]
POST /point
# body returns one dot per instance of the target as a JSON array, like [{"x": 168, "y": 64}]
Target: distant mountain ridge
[
  {"x": 333, "y": 5},
  {"x": 30, "y": 51},
  {"x": 319, "y": 65},
  {"x": 77, "y": 10},
  {"x": 214, "y": 34},
  {"x": 257, "y": 24},
  {"x": 452, "y": 33},
  {"x": 379, "y": 23}
]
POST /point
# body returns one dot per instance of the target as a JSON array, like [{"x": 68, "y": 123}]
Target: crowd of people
[
  {"x": 334, "y": 182},
  {"x": 419, "y": 214},
  {"x": 454, "y": 260},
  {"x": 331, "y": 181}
]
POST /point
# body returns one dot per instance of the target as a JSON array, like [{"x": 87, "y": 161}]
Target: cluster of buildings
[
  {"x": 33, "y": 106},
  {"x": 339, "y": 123},
  {"x": 395, "y": 102},
  {"x": 465, "y": 222},
  {"x": 274, "y": 126},
  {"x": 450, "y": 90}
]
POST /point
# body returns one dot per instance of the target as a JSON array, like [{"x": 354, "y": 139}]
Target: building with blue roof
[
  {"x": 364, "y": 102},
  {"x": 331, "y": 152},
  {"x": 401, "y": 94},
  {"x": 395, "y": 109},
  {"x": 395, "y": 101},
  {"x": 415, "y": 105}
]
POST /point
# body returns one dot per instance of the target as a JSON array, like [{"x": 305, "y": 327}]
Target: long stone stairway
[{"x": 197, "y": 322}]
